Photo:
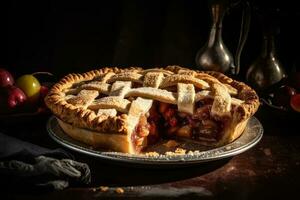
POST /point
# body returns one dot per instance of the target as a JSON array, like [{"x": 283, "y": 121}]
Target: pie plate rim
[{"x": 248, "y": 139}]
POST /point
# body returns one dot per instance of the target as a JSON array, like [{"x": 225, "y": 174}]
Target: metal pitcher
[{"x": 214, "y": 55}]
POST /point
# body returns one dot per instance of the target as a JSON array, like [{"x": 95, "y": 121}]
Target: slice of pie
[{"x": 126, "y": 110}]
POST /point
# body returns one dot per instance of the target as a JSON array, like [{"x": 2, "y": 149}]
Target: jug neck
[
  {"x": 217, "y": 13},
  {"x": 268, "y": 47},
  {"x": 215, "y": 35}
]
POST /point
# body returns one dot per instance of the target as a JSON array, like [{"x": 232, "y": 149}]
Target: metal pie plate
[{"x": 195, "y": 153}]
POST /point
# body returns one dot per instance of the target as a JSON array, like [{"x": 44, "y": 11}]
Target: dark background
[{"x": 64, "y": 37}]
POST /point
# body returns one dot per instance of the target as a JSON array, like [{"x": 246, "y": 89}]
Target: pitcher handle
[{"x": 245, "y": 25}]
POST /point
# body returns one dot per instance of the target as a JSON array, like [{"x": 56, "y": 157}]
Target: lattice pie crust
[{"x": 126, "y": 109}]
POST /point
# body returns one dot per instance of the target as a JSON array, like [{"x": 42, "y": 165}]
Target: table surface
[{"x": 268, "y": 170}]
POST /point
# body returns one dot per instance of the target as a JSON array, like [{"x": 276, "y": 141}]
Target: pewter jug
[
  {"x": 214, "y": 55},
  {"x": 266, "y": 70}
]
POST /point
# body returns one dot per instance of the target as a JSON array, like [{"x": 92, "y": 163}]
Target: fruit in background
[
  {"x": 282, "y": 96},
  {"x": 25, "y": 95},
  {"x": 16, "y": 97},
  {"x": 43, "y": 91},
  {"x": 30, "y": 86},
  {"x": 11, "y": 97},
  {"x": 295, "y": 102},
  {"x": 6, "y": 79},
  {"x": 294, "y": 80}
]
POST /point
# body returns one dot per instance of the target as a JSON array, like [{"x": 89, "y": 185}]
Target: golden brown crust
[
  {"x": 81, "y": 117},
  {"x": 244, "y": 92},
  {"x": 251, "y": 100},
  {"x": 88, "y": 119},
  {"x": 113, "y": 142}
]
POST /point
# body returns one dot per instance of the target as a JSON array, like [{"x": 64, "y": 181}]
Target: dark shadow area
[
  {"x": 277, "y": 122},
  {"x": 63, "y": 37},
  {"x": 121, "y": 174}
]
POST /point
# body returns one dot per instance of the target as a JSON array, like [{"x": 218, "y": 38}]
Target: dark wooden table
[{"x": 271, "y": 169}]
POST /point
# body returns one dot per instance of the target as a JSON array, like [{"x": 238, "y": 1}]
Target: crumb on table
[
  {"x": 103, "y": 188},
  {"x": 119, "y": 190},
  {"x": 267, "y": 152}
]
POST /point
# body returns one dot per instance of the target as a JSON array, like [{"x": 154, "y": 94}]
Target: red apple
[
  {"x": 16, "y": 97},
  {"x": 11, "y": 98},
  {"x": 6, "y": 79},
  {"x": 283, "y": 95},
  {"x": 43, "y": 91},
  {"x": 295, "y": 102}
]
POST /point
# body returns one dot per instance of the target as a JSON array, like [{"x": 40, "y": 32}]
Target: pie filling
[{"x": 165, "y": 121}]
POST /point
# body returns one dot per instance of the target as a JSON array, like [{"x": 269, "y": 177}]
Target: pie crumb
[
  {"x": 120, "y": 190},
  {"x": 228, "y": 147},
  {"x": 171, "y": 143},
  {"x": 103, "y": 188},
  {"x": 267, "y": 152},
  {"x": 180, "y": 151},
  {"x": 169, "y": 153},
  {"x": 152, "y": 154}
]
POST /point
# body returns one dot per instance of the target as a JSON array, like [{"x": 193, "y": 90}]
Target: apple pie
[{"x": 126, "y": 110}]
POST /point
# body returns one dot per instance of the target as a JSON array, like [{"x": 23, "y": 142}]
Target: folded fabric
[
  {"x": 27, "y": 166},
  {"x": 13, "y": 148}
]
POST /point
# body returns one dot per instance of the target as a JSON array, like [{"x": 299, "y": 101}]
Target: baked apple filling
[
  {"x": 165, "y": 121},
  {"x": 139, "y": 135}
]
